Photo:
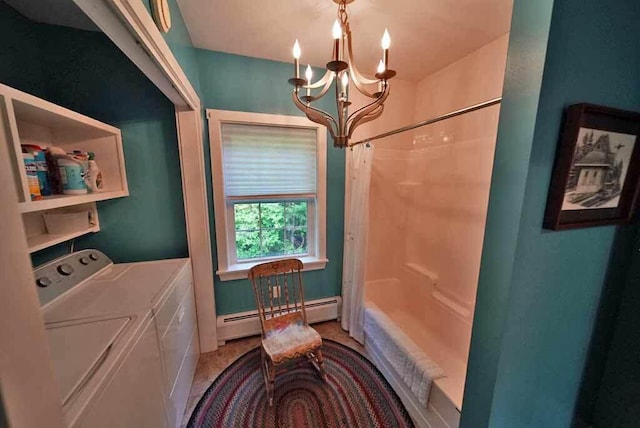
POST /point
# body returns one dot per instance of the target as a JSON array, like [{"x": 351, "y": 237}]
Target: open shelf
[
  {"x": 45, "y": 240},
  {"x": 58, "y": 201},
  {"x": 34, "y": 121},
  {"x": 38, "y": 122},
  {"x": 38, "y": 237}
]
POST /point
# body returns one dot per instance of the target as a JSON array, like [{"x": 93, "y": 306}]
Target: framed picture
[{"x": 595, "y": 178}]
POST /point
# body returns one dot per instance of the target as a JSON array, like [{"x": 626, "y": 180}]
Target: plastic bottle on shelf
[
  {"x": 32, "y": 176},
  {"x": 93, "y": 176},
  {"x": 53, "y": 154},
  {"x": 43, "y": 172},
  {"x": 41, "y": 166},
  {"x": 82, "y": 157},
  {"x": 72, "y": 175}
]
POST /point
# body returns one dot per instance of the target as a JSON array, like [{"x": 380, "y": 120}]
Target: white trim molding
[
  {"x": 240, "y": 271},
  {"x": 229, "y": 269},
  {"x": 130, "y": 26},
  {"x": 196, "y": 211},
  {"x": 245, "y": 324}
]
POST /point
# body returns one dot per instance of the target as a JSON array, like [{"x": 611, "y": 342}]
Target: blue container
[
  {"x": 43, "y": 172},
  {"x": 72, "y": 176}
]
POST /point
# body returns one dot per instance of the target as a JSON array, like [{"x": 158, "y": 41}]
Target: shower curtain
[{"x": 359, "y": 161}]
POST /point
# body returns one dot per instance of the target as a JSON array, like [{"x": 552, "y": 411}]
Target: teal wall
[
  {"x": 20, "y": 41},
  {"x": 621, "y": 262},
  {"x": 617, "y": 402},
  {"x": 521, "y": 93},
  {"x": 180, "y": 43},
  {"x": 533, "y": 324},
  {"x": 232, "y": 82},
  {"x": 85, "y": 72}
]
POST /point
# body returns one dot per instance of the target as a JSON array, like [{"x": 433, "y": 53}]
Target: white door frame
[
  {"x": 196, "y": 209},
  {"x": 130, "y": 26}
]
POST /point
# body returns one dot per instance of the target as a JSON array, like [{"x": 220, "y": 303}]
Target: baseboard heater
[{"x": 244, "y": 324}]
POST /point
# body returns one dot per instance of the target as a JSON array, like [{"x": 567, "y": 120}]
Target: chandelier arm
[
  {"x": 328, "y": 77},
  {"x": 327, "y": 85},
  {"x": 358, "y": 79},
  {"x": 356, "y": 82},
  {"x": 305, "y": 107},
  {"x": 363, "y": 111},
  {"x": 361, "y": 114},
  {"x": 368, "y": 118},
  {"x": 364, "y": 115},
  {"x": 341, "y": 120},
  {"x": 320, "y": 119},
  {"x": 315, "y": 115}
]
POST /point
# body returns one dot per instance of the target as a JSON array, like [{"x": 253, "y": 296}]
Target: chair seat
[{"x": 294, "y": 340}]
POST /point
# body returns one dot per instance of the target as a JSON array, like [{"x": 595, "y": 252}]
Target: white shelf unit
[
  {"x": 37, "y": 236},
  {"x": 31, "y": 120}
]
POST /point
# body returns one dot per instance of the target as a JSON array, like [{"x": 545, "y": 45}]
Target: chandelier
[{"x": 342, "y": 70}]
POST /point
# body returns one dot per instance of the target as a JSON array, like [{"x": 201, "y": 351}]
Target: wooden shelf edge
[
  {"x": 40, "y": 242},
  {"x": 59, "y": 201}
]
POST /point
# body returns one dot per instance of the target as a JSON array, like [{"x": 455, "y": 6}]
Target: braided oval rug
[{"x": 355, "y": 395}]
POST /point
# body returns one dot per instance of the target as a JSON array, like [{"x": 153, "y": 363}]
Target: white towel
[{"x": 410, "y": 362}]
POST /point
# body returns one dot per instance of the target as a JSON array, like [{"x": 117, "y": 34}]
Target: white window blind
[{"x": 268, "y": 160}]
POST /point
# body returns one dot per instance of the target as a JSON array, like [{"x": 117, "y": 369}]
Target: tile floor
[{"x": 213, "y": 363}]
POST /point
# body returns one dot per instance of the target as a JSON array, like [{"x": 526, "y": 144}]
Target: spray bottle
[{"x": 93, "y": 176}]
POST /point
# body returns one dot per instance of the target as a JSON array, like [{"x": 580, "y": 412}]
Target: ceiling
[
  {"x": 426, "y": 35},
  {"x": 57, "y": 12}
]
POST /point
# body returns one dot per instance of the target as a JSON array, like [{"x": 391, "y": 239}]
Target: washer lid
[
  {"x": 78, "y": 349},
  {"x": 118, "y": 289}
]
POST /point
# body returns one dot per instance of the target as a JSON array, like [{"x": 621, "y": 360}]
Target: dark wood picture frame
[{"x": 597, "y": 169}]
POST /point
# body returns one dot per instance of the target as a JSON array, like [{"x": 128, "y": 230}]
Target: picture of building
[{"x": 599, "y": 169}]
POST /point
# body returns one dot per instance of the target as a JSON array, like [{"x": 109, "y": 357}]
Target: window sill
[{"x": 240, "y": 271}]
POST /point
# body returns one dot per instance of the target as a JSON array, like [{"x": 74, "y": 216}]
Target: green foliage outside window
[{"x": 267, "y": 229}]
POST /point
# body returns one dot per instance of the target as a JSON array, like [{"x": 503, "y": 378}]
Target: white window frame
[{"x": 228, "y": 267}]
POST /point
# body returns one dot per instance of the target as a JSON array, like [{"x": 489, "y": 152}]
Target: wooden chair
[{"x": 286, "y": 335}]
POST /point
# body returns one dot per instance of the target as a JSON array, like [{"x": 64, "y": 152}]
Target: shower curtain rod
[{"x": 449, "y": 115}]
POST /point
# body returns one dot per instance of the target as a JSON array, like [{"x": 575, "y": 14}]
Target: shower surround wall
[{"x": 429, "y": 194}]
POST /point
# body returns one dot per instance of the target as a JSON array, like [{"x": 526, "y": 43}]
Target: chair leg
[
  {"x": 268, "y": 370},
  {"x": 320, "y": 361},
  {"x": 272, "y": 382}
]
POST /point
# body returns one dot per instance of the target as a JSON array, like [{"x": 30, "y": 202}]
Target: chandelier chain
[{"x": 343, "y": 17}]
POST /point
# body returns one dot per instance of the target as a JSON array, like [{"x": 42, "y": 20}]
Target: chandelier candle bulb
[
  {"x": 345, "y": 83},
  {"x": 296, "y": 58},
  {"x": 337, "y": 33},
  {"x": 308, "y": 74},
  {"x": 386, "y": 42},
  {"x": 380, "y": 71}
]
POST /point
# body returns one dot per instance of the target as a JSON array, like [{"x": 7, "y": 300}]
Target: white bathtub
[{"x": 438, "y": 325}]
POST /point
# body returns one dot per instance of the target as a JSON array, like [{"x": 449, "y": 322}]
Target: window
[
  {"x": 267, "y": 229},
  {"x": 269, "y": 175}
]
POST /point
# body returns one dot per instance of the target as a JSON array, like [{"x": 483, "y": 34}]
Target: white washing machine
[{"x": 123, "y": 338}]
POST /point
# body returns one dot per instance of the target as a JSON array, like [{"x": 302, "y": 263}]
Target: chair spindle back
[{"x": 279, "y": 293}]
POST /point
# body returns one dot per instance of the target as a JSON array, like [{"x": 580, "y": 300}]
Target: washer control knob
[
  {"x": 94, "y": 256},
  {"x": 84, "y": 260},
  {"x": 65, "y": 269},
  {"x": 43, "y": 282}
]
